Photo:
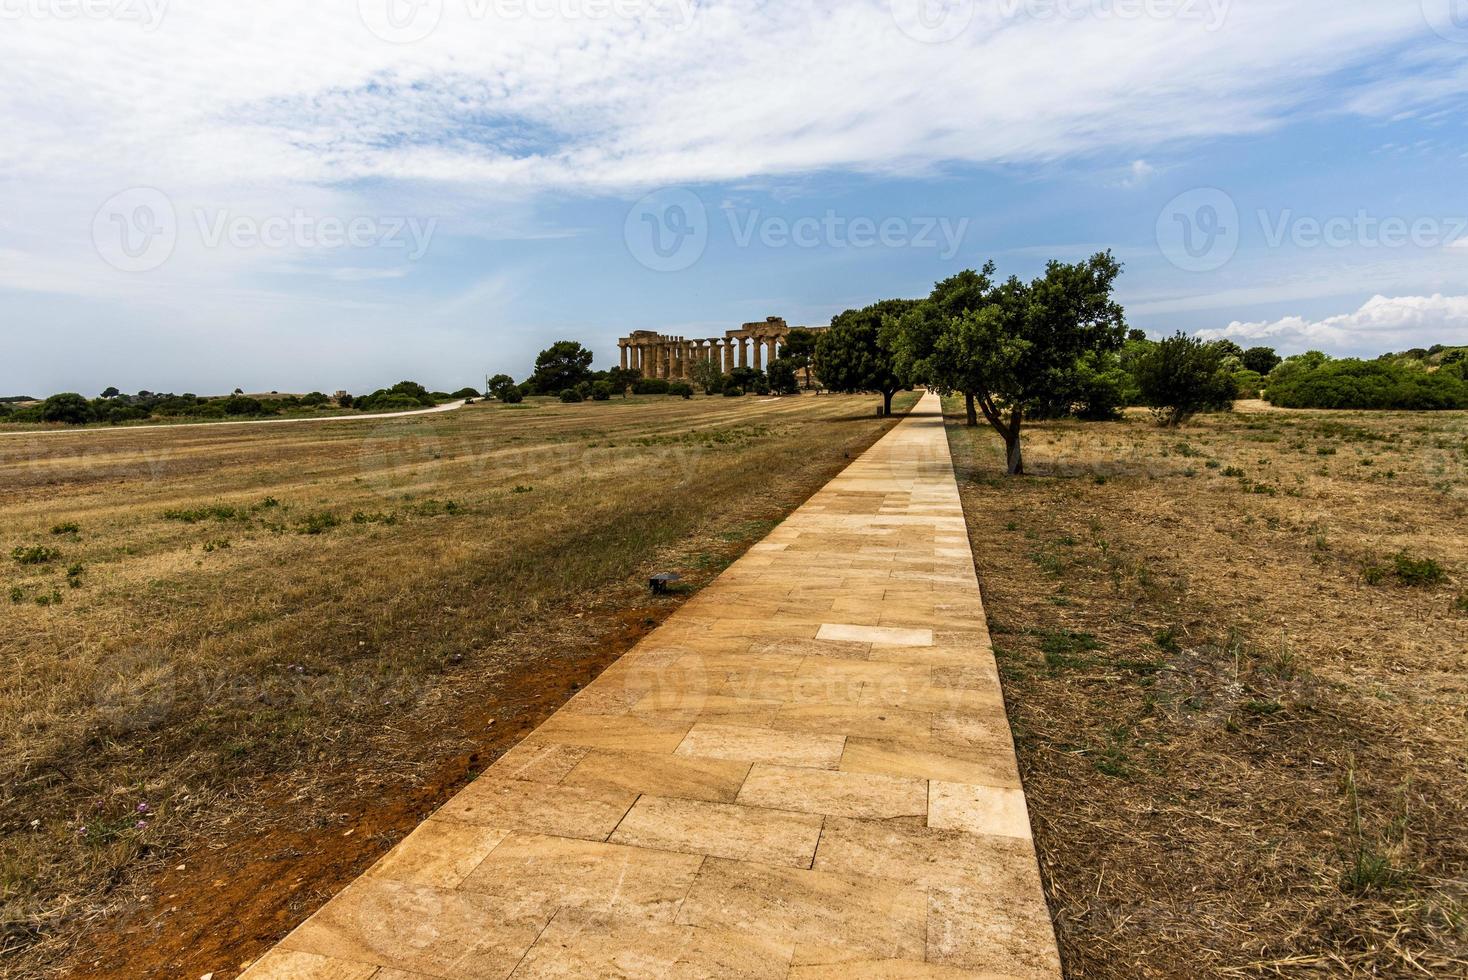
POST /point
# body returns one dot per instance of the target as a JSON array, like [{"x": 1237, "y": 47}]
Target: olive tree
[
  {"x": 852, "y": 356},
  {"x": 1029, "y": 339}
]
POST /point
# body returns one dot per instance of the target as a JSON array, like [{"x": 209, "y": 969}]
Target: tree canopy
[
  {"x": 852, "y": 356},
  {"x": 1029, "y": 340},
  {"x": 564, "y": 364}
]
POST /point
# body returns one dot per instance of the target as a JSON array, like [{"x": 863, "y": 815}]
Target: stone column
[
  {"x": 743, "y": 351},
  {"x": 622, "y": 345},
  {"x": 728, "y": 346},
  {"x": 758, "y": 350}
]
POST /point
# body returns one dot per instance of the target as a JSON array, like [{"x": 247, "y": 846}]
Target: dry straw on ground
[
  {"x": 1235, "y": 658},
  {"x": 262, "y": 654}
]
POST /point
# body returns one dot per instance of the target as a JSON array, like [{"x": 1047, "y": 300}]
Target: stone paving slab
[{"x": 805, "y": 772}]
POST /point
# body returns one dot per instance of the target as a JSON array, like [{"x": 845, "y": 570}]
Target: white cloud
[
  {"x": 1383, "y": 324},
  {"x": 279, "y": 91}
]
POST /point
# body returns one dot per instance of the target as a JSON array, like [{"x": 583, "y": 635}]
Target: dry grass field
[
  {"x": 238, "y": 664},
  {"x": 1236, "y": 660}
]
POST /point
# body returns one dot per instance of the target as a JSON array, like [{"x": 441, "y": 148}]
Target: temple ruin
[{"x": 656, "y": 355}]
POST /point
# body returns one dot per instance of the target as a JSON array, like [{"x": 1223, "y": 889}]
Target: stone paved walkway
[{"x": 805, "y": 772}]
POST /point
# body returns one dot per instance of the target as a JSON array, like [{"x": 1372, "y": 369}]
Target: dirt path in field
[{"x": 437, "y": 409}]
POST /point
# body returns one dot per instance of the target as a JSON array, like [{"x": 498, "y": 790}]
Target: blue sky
[{"x": 202, "y": 197}]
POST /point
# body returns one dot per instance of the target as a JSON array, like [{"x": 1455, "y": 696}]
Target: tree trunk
[
  {"x": 887, "y": 402},
  {"x": 1014, "y": 456},
  {"x": 970, "y": 408}
]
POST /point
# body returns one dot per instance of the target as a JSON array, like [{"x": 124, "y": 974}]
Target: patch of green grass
[
  {"x": 1063, "y": 649},
  {"x": 436, "y": 508},
  {"x": 34, "y": 555},
  {"x": 195, "y": 515},
  {"x": 1167, "y": 640},
  {"x": 68, "y": 527},
  {"x": 318, "y": 523},
  {"x": 375, "y": 518},
  {"x": 1417, "y": 571}
]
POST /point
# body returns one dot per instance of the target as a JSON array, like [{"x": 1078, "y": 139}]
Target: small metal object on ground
[{"x": 661, "y": 582}]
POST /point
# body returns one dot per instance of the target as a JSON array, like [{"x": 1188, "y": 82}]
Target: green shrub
[
  {"x": 1181, "y": 376},
  {"x": 194, "y": 515},
  {"x": 681, "y": 389},
  {"x": 650, "y": 386},
  {"x": 69, "y": 527},
  {"x": 34, "y": 555},
  {"x": 501, "y": 385},
  {"x": 601, "y": 391},
  {"x": 318, "y": 523},
  {"x": 571, "y": 396},
  {"x": 512, "y": 396},
  {"x": 1356, "y": 384},
  {"x": 242, "y": 405},
  {"x": 1417, "y": 571},
  {"x": 733, "y": 391},
  {"x": 67, "y": 407},
  {"x": 781, "y": 374}
]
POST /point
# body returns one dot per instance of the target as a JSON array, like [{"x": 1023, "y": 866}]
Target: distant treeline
[
  {"x": 1430, "y": 379},
  {"x": 113, "y": 407}
]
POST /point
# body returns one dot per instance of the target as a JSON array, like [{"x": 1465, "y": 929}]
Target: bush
[
  {"x": 1247, "y": 383},
  {"x": 682, "y": 389},
  {"x": 782, "y": 378},
  {"x": 1357, "y": 384},
  {"x": 67, "y": 407},
  {"x": 601, "y": 391},
  {"x": 733, "y": 391},
  {"x": 403, "y": 396},
  {"x": 1417, "y": 571},
  {"x": 34, "y": 555},
  {"x": 511, "y": 396},
  {"x": 650, "y": 386},
  {"x": 500, "y": 385},
  {"x": 1181, "y": 376},
  {"x": 571, "y": 396},
  {"x": 242, "y": 405},
  {"x": 315, "y": 399}
]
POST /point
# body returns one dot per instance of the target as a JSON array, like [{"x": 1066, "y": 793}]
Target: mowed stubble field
[
  {"x": 259, "y": 655},
  {"x": 1239, "y": 690}
]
